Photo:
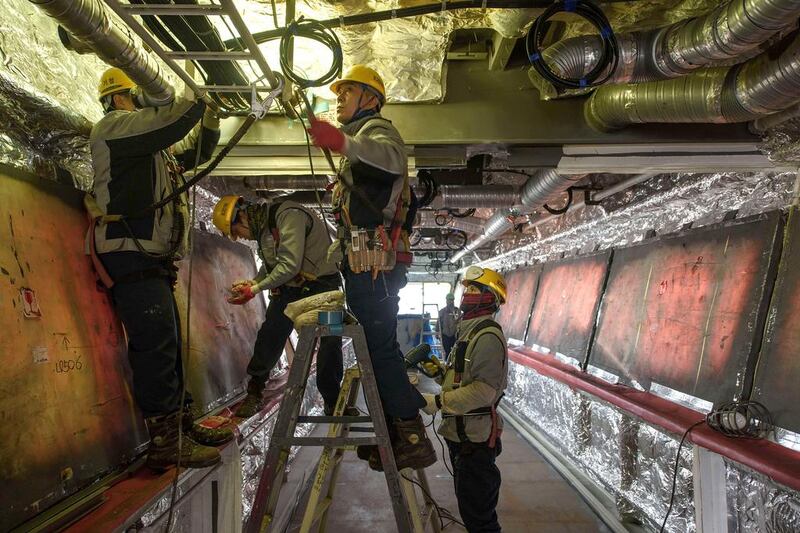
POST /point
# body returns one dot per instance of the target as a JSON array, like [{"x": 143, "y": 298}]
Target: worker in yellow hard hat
[
  {"x": 375, "y": 210},
  {"x": 139, "y": 153},
  {"x": 292, "y": 242},
  {"x": 472, "y": 385}
]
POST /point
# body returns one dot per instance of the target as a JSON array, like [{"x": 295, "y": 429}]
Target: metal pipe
[
  {"x": 90, "y": 22},
  {"x": 502, "y": 221},
  {"x": 729, "y": 32},
  {"x": 427, "y": 219},
  {"x": 759, "y": 87}
]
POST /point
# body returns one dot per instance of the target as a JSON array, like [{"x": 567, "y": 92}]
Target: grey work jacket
[
  {"x": 375, "y": 162},
  {"x": 486, "y": 361},
  {"x": 131, "y": 151},
  {"x": 448, "y": 320},
  {"x": 302, "y": 248}
]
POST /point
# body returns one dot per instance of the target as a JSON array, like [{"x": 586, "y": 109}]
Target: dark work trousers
[
  {"x": 146, "y": 305},
  {"x": 477, "y": 483},
  {"x": 375, "y": 305},
  {"x": 276, "y": 329},
  {"x": 448, "y": 342}
]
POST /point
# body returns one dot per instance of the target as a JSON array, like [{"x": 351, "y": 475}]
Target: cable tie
[
  {"x": 606, "y": 32},
  {"x": 534, "y": 57},
  {"x": 570, "y": 5},
  {"x": 582, "y": 82}
]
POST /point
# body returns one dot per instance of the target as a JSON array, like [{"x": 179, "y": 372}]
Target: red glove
[
  {"x": 243, "y": 294},
  {"x": 326, "y": 135}
]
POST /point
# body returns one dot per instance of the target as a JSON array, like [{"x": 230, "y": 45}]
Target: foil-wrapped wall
[
  {"x": 665, "y": 203},
  {"x": 756, "y": 504}
]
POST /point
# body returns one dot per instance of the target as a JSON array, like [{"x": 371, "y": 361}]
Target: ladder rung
[
  {"x": 333, "y": 419},
  {"x": 211, "y": 56},
  {"x": 171, "y": 9},
  {"x": 361, "y": 429},
  {"x": 333, "y": 442}
]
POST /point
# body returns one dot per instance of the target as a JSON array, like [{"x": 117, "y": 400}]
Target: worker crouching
[
  {"x": 472, "y": 385},
  {"x": 374, "y": 207},
  {"x": 292, "y": 243}
]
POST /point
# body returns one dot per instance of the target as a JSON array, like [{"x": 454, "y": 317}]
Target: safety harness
[
  {"x": 462, "y": 348},
  {"x": 375, "y": 249},
  {"x": 272, "y": 227}
]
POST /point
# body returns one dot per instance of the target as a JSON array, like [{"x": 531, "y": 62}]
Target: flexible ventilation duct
[
  {"x": 545, "y": 185},
  {"x": 91, "y": 23},
  {"x": 427, "y": 219},
  {"x": 730, "y": 31},
  {"x": 285, "y": 183},
  {"x": 759, "y": 87},
  {"x": 469, "y": 196}
]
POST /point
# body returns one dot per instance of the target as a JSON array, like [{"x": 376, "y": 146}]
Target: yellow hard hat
[
  {"x": 362, "y": 74},
  {"x": 488, "y": 278},
  {"x": 225, "y": 211},
  {"x": 114, "y": 80}
]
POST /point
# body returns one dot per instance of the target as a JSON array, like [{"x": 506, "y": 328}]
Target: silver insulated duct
[
  {"x": 544, "y": 186},
  {"x": 475, "y": 196},
  {"x": 728, "y": 32},
  {"x": 759, "y": 87},
  {"x": 91, "y": 23},
  {"x": 427, "y": 219}
]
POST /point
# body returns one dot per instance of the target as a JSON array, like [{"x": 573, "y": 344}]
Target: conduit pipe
[
  {"x": 726, "y": 33},
  {"x": 759, "y": 87},
  {"x": 90, "y": 22}
]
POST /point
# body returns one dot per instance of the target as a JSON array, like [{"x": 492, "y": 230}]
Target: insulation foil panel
[
  {"x": 778, "y": 369},
  {"x": 514, "y": 315},
  {"x": 566, "y": 304},
  {"x": 65, "y": 395},
  {"x": 686, "y": 311},
  {"x": 222, "y": 335}
]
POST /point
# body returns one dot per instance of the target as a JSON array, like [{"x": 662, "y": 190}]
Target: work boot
[
  {"x": 412, "y": 448},
  {"x": 163, "y": 451},
  {"x": 253, "y": 402},
  {"x": 207, "y": 436}
]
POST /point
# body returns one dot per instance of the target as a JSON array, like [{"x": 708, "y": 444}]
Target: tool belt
[{"x": 371, "y": 251}]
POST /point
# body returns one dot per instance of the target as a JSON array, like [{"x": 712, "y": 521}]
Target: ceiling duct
[
  {"x": 285, "y": 183},
  {"x": 90, "y": 22},
  {"x": 427, "y": 219},
  {"x": 544, "y": 185},
  {"x": 728, "y": 32},
  {"x": 759, "y": 87},
  {"x": 475, "y": 196}
]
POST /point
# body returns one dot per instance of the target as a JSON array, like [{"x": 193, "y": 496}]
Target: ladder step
[
  {"x": 172, "y": 9},
  {"x": 333, "y": 442},
  {"x": 210, "y": 56},
  {"x": 333, "y": 419}
]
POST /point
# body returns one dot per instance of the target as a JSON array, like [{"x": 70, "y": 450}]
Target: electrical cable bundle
[
  {"x": 431, "y": 188},
  {"x": 594, "y": 15},
  {"x": 316, "y": 31}
]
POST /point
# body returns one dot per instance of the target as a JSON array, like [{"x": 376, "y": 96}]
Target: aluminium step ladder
[{"x": 401, "y": 490}]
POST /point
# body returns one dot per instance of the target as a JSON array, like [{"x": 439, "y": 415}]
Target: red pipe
[{"x": 773, "y": 460}]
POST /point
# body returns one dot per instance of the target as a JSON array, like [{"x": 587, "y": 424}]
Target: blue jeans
[{"x": 375, "y": 305}]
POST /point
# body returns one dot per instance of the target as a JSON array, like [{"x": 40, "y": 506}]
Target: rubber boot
[
  {"x": 163, "y": 451},
  {"x": 204, "y": 435},
  {"x": 412, "y": 448},
  {"x": 253, "y": 402}
]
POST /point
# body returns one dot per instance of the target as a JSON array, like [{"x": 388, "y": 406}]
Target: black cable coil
[
  {"x": 608, "y": 59},
  {"x": 316, "y": 31}
]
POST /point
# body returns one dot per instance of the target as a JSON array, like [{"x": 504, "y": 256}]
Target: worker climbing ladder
[{"x": 401, "y": 491}]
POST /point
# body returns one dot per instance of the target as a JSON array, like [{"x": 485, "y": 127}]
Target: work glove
[
  {"x": 243, "y": 294},
  {"x": 430, "y": 404},
  {"x": 326, "y": 135},
  {"x": 241, "y": 283}
]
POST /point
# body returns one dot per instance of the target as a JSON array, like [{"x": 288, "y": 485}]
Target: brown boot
[
  {"x": 207, "y": 436},
  {"x": 253, "y": 402},
  {"x": 163, "y": 451},
  {"x": 412, "y": 448}
]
